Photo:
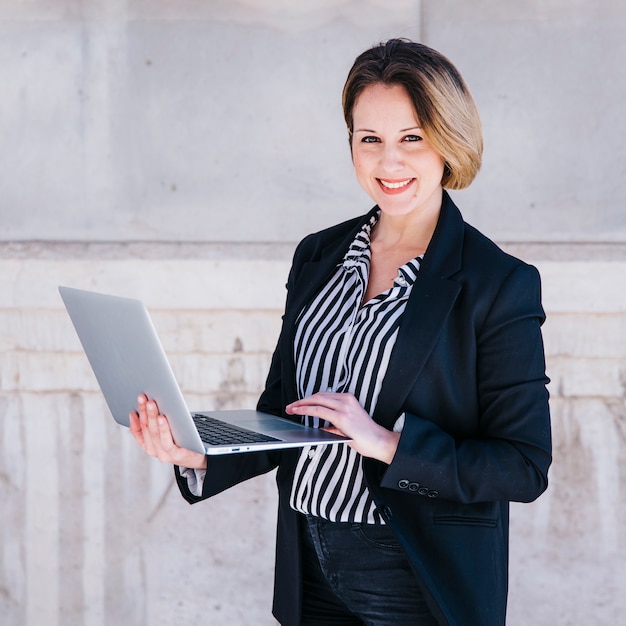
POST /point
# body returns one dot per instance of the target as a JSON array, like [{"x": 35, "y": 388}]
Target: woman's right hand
[{"x": 152, "y": 432}]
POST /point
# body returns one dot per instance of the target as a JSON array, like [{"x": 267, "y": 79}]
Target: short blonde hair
[{"x": 442, "y": 101}]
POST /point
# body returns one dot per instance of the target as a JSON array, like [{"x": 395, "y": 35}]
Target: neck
[{"x": 411, "y": 232}]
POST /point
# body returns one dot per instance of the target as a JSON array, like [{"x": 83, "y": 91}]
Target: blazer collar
[
  {"x": 316, "y": 272},
  {"x": 432, "y": 298},
  {"x": 444, "y": 252}
]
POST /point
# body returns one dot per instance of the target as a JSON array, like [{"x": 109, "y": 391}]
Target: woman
[{"x": 414, "y": 335}]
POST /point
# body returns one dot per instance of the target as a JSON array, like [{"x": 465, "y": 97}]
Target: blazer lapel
[
  {"x": 315, "y": 272},
  {"x": 431, "y": 300}
]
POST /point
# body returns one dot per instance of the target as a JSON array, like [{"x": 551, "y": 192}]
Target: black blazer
[{"x": 468, "y": 370}]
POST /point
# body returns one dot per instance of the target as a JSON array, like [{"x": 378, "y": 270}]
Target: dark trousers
[{"x": 357, "y": 574}]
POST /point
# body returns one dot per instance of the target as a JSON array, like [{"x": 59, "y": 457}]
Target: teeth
[{"x": 404, "y": 183}]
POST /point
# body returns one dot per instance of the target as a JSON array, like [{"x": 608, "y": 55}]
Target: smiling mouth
[{"x": 394, "y": 185}]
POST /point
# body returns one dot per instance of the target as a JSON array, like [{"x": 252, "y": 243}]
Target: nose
[{"x": 392, "y": 160}]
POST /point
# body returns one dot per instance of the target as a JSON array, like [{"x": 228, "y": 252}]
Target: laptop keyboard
[{"x": 216, "y": 432}]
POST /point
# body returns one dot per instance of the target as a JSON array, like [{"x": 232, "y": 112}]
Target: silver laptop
[{"x": 127, "y": 358}]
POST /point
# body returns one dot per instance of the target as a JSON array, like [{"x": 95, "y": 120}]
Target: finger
[
  {"x": 166, "y": 438},
  {"x": 333, "y": 430},
  {"x": 137, "y": 431},
  {"x": 334, "y": 402},
  {"x": 141, "y": 435},
  {"x": 134, "y": 425},
  {"x": 169, "y": 452},
  {"x": 148, "y": 412},
  {"x": 303, "y": 408},
  {"x": 152, "y": 412},
  {"x": 313, "y": 406},
  {"x": 142, "y": 401},
  {"x": 335, "y": 398},
  {"x": 321, "y": 412}
]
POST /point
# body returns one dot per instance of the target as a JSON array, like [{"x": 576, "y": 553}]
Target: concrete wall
[{"x": 170, "y": 151}]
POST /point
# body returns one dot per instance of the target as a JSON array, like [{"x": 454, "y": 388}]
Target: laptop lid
[{"x": 127, "y": 358}]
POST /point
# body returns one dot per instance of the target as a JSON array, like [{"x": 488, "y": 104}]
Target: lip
[{"x": 394, "y": 186}]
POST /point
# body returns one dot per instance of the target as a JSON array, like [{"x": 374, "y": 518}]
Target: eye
[
  {"x": 370, "y": 139},
  {"x": 411, "y": 138}
]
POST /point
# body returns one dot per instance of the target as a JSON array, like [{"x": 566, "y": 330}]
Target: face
[{"x": 393, "y": 160}]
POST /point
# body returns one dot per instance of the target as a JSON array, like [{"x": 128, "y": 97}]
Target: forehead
[{"x": 382, "y": 104}]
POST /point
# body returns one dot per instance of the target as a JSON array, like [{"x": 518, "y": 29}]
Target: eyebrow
[{"x": 402, "y": 130}]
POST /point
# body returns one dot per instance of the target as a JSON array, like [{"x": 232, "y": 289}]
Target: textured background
[{"x": 177, "y": 151}]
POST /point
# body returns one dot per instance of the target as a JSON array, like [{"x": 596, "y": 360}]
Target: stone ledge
[
  {"x": 160, "y": 283},
  {"x": 530, "y": 251},
  {"x": 145, "y": 250},
  {"x": 257, "y": 284}
]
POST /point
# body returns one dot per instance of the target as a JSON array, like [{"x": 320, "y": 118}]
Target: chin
[{"x": 396, "y": 208}]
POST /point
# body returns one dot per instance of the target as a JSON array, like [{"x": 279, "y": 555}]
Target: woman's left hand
[{"x": 349, "y": 418}]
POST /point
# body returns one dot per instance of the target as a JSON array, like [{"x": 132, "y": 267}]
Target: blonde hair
[{"x": 442, "y": 101}]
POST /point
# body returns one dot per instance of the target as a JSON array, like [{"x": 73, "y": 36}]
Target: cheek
[
  {"x": 362, "y": 175},
  {"x": 361, "y": 164},
  {"x": 437, "y": 163}
]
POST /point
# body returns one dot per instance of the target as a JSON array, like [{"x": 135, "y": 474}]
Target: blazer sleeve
[
  {"x": 508, "y": 456},
  {"x": 227, "y": 471}
]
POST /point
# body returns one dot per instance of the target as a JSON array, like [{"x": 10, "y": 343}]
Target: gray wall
[
  {"x": 161, "y": 121},
  {"x": 170, "y": 150}
]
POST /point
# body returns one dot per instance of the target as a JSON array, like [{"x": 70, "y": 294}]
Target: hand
[
  {"x": 152, "y": 432},
  {"x": 349, "y": 418}
]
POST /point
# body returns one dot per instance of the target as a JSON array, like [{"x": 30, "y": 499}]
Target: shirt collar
[
  {"x": 407, "y": 274},
  {"x": 359, "y": 253},
  {"x": 359, "y": 250}
]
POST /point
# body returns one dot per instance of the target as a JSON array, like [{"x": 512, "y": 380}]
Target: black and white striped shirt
[{"x": 343, "y": 346}]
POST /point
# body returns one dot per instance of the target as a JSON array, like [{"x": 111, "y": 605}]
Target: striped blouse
[{"x": 343, "y": 346}]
